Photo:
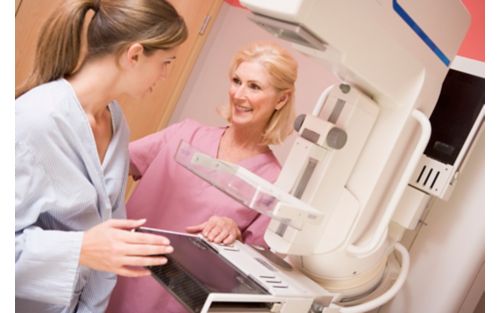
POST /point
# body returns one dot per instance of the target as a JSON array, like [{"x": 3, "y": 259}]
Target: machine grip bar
[{"x": 381, "y": 230}]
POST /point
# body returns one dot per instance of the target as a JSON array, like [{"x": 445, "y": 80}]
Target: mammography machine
[{"x": 355, "y": 178}]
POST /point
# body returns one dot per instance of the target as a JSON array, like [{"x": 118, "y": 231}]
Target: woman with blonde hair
[
  {"x": 72, "y": 237},
  {"x": 260, "y": 112}
]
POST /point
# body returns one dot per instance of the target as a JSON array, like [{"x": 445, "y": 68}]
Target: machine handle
[
  {"x": 321, "y": 100},
  {"x": 381, "y": 230}
]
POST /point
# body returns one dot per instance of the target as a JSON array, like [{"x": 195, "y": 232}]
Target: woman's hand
[
  {"x": 112, "y": 247},
  {"x": 218, "y": 229}
]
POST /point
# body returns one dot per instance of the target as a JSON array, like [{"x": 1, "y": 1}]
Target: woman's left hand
[{"x": 218, "y": 229}]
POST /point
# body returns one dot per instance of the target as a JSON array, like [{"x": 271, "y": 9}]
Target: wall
[{"x": 473, "y": 45}]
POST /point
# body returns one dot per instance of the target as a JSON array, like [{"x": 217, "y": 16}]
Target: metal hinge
[{"x": 204, "y": 25}]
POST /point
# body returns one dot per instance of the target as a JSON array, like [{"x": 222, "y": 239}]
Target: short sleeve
[{"x": 143, "y": 151}]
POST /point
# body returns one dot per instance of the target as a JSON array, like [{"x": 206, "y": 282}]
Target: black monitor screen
[
  {"x": 459, "y": 104},
  {"x": 195, "y": 269}
]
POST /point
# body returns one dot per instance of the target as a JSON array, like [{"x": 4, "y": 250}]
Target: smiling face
[{"x": 252, "y": 97}]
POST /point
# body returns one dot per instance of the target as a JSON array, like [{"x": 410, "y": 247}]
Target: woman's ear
[
  {"x": 282, "y": 100},
  {"x": 133, "y": 53}
]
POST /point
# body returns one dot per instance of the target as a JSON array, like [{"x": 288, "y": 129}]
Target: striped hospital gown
[{"x": 62, "y": 189}]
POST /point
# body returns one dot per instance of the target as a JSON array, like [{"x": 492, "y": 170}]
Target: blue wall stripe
[{"x": 419, "y": 31}]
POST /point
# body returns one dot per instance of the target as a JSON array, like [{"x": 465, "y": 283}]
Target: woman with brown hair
[{"x": 72, "y": 237}]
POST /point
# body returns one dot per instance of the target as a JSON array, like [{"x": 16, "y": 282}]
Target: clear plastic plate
[{"x": 242, "y": 185}]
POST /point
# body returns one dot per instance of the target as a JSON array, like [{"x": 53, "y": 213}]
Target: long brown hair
[{"x": 116, "y": 23}]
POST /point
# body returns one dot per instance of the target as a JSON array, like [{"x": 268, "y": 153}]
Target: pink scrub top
[{"x": 171, "y": 197}]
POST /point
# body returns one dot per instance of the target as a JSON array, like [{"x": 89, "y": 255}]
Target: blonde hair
[
  {"x": 282, "y": 69},
  {"x": 116, "y": 23}
]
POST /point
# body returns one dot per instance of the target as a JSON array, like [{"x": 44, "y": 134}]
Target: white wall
[
  {"x": 447, "y": 256},
  {"x": 208, "y": 84}
]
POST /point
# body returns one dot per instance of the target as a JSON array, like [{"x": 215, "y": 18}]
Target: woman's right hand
[{"x": 112, "y": 247}]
